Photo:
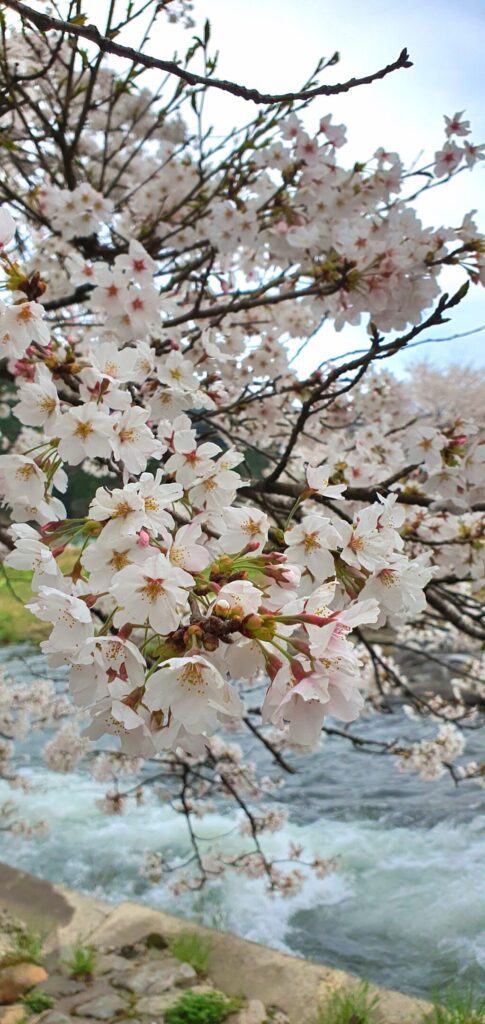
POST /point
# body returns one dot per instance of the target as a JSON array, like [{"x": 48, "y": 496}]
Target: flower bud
[{"x": 210, "y": 642}]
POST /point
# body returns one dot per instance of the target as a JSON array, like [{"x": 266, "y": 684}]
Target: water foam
[{"x": 404, "y": 906}]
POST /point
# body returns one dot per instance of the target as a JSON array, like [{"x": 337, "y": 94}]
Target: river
[{"x": 405, "y": 906}]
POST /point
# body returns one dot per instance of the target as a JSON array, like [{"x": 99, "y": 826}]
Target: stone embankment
[{"x": 135, "y": 978}]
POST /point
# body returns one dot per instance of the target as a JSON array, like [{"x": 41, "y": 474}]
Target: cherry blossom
[
  {"x": 19, "y": 327},
  {"x": 310, "y": 544},
  {"x": 39, "y": 404},
  {"x": 84, "y": 431},
  {"x": 195, "y": 692},
  {"x": 152, "y": 591}
]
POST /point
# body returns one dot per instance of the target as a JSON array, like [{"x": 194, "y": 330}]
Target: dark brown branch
[
  {"x": 45, "y": 22},
  {"x": 450, "y": 614},
  {"x": 368, "y": 494},
  {"x": 283, "y": 763}
]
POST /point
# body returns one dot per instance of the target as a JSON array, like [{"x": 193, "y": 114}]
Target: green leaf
[{"x": 7, "y": 143}]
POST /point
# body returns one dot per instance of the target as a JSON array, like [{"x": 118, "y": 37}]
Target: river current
[{"x": 405, "y": 906}]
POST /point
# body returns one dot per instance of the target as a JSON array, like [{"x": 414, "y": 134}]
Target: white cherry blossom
[
  {"x": 84, "y": 431},
  {"x": 39, "y": 404},
  {"x": 310, "y": 544},
  {"x": 155, "y": 591},
  {"x": 195, "y": 692}
]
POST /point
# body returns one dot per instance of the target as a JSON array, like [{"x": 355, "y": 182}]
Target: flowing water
[{"x": 405, "y": 906}]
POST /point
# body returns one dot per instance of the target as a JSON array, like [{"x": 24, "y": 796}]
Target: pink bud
[
  {"x": 58, "y": 551},
  {"x": 125, "y": 631},
  {"x": 48, "y": 527},
  {"x": 301, "y": 646},
  {"x": 273, "y": 664},
  {"x": 24, "y": 369},
  {"x": 143, "y": 539},
  {"x": 298, "y": 671},
  {"x": 317, "y": 620},
  {"x": 252, "y": 546}
]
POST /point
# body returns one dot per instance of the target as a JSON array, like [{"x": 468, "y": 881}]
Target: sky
[{"x": 274, "y": 44}]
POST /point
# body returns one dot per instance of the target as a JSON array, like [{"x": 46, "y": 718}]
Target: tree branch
[{"x": 45, "y": 22}]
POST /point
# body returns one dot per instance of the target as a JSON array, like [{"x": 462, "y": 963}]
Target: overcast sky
[{"x": 274, "y": 44}]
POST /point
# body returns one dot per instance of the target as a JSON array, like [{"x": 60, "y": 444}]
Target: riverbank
[
  {"x": 16, "y": 623},
  {"x": 397, "y": 843},
  {"x": 239, "y": 968}
]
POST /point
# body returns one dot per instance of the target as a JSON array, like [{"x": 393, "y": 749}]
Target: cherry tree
[{"x": 255, "y": 548}]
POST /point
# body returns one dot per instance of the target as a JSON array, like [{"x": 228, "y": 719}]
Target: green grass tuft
[
  {"x": 349, "y": 1006},
  {"x": 201, "y": 1008},
  {"x": 193, "y": 949},
  {"x": 37, "y": 1002},
  {"x": 25, "y": 947},
  {"x": 81, "y": 962},
  {"x": 457, "y": 1007}
]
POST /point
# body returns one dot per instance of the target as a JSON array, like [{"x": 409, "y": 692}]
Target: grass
[
  {"x": 190, "y": 948},
  {"x": 17, "y": 625},
  {"x": 37, "y": 1002},
  {"x": 201, "y": 1008},
  {"x": 25, "y": 947},
  {"x": 349, "y": 1006},
  {"x": 81, "y": 962},
  {"x": 457, "y": 1007}
]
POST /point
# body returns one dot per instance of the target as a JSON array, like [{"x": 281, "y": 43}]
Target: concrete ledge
[
  {"x": 239, "y": 967},
  {"x": 64, "y": 915}
]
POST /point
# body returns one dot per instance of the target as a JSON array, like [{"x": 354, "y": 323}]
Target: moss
[{"x": 201, "y": 1008}]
